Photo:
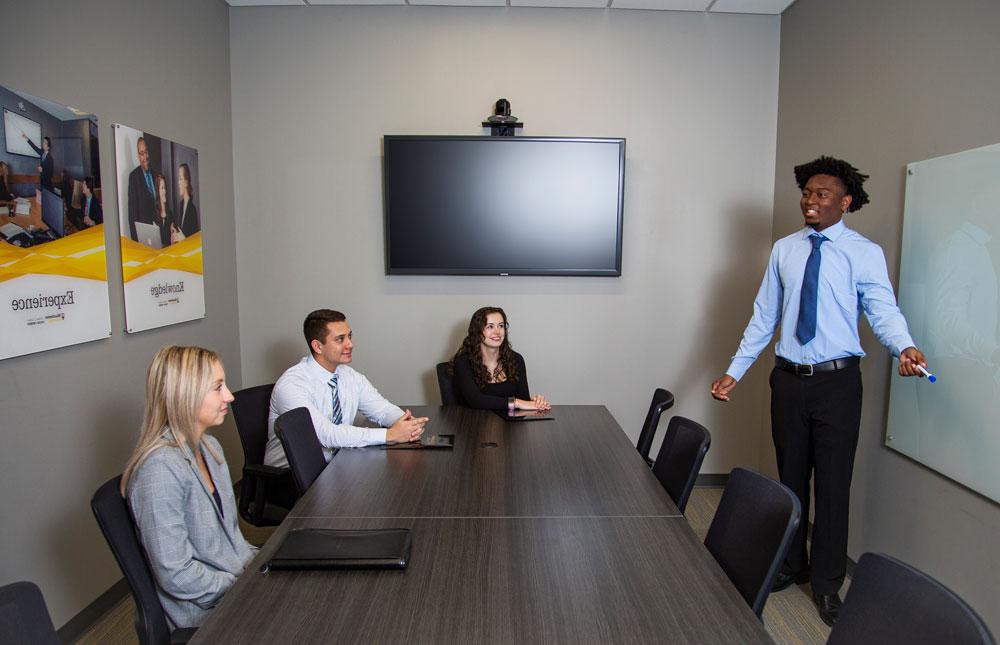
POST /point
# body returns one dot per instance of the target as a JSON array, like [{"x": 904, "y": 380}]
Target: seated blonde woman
[{"x": 178, "y": 487}]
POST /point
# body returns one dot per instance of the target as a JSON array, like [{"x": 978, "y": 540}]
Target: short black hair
[
  {"x": 314, "y": 327},
  {"x": 48, "y": 141},
  {"x": 89, "y": 181},
  {"x": 845, "y": 172}
]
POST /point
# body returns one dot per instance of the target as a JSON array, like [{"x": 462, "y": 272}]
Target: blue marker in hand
[{"x": 930, "y": 377}]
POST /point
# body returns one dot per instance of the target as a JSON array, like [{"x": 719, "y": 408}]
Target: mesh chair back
[
  {"x": 662, "y": 400},
  {"x": 891, "y": 602},
  {"x": 679, "y": 460},
  {"x": 446, "y": 385},
  {"x": 115, "y": 520},
  {"x": 751, "y": 532},
  {"x": 24, "y": 618},
  {"x": 250, "y": 409},
  {"x": 302, "y": 448}
]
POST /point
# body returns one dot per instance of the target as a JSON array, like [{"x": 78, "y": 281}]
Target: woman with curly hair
[{"x": 488, "y": 373}]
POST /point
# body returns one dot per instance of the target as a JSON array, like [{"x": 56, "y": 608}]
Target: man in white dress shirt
[{"x": 334, "y": 393}]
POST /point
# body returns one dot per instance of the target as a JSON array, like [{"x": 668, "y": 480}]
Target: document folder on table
[
  {"x": 427, "y": 442},
  {"x": 342, "y": 549}
]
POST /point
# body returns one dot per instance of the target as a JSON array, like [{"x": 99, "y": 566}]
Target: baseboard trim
[
  {"x": 78, "y": 625},
  {"x": 705, "y": 480}
]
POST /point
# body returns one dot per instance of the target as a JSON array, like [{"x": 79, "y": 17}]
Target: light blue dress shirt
[{"x": 852, "y": 278}]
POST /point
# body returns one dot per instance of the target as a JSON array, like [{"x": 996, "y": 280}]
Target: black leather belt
[{"x": 809, "y": 370}]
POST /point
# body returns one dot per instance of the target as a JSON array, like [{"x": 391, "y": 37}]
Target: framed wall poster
[
  {"x": 53, "y": 265},
  {"x": 160, "y": 230}
]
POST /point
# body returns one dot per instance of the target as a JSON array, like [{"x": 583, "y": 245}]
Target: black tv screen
[{"x": 503, "y": 205}]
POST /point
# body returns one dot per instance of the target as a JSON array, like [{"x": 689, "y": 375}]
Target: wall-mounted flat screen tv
[{"x": 503, "y": 205}]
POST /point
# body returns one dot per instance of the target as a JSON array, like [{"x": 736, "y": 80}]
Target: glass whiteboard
[
  {"x": 13, "y": 125},
  {"x": 948, "y": 291}
]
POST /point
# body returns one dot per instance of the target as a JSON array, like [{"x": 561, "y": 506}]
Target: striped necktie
[{"x": 338, "y": 415}]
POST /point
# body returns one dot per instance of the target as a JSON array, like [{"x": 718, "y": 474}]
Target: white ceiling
[{"x": 772, "y": 7}]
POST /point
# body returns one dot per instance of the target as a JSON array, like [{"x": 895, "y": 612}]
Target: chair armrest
[
  {"x": 264, "y": 472},
  {"x": 182, "y": 635}
]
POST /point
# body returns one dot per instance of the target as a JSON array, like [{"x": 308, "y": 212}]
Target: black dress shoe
[
  {"x": 785, "y": 580},
  {"x": 829, "y": 606}
]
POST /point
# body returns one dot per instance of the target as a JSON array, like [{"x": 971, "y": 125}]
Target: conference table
[{"x": 530, "y": 531}]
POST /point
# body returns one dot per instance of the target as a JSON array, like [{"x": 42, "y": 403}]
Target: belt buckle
[{"x": 800, "y": 372}]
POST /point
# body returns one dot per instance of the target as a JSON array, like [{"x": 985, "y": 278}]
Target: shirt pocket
[{"x": 846, "y": 299}]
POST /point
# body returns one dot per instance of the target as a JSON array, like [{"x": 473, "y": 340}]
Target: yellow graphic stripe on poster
[
  {"x": 80, "y": 255},
  {"x": 139, "y": 259}
]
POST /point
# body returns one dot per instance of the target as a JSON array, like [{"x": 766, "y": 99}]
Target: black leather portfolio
[
  {"x": 342, "y": 549},
  {"x": 427, "y": 442}
]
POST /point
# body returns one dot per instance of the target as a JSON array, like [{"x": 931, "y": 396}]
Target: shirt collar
[
  {"x": 831, "y": 232},
  {"x": 318, "y": 370}
]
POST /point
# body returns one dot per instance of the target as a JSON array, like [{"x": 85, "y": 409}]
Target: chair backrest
[
  {"x": 679, "y": 460},
  {"x": 251, "y": 407},
  {"x": 751, "y": 532},
  {"x": 24, "y": 618},
  {"x": 302, "y": 448},
  {"x": 446, "y": 385},
  {"x": 115, "y": 520},
  {"x": 891, "y": 602},
  {"x": 662, "y": 400}
]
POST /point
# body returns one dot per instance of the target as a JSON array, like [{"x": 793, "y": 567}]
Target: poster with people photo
[
  {"x": 160, "y": 230},
  {"x": 53, "y": 266}
]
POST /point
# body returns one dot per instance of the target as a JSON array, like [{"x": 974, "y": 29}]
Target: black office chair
[
  {"x": 662, "y": 400},
  {"x": 302, "y": 448},
  {"x": 447, "y": 386},
  {"x": 681, "y": 454},
  {"x": 24, "y": 618},
  {"x": 751, "y": 532},
  {"x": 250, "y": 410},
  {"x": 115, "y": 520},
  {"x": 891, "y": 602}
]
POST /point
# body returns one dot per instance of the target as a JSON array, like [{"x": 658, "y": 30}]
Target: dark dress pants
[{"x": 814, "y": 423}]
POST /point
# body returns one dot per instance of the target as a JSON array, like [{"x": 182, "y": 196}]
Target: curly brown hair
[{"x": 470, "y": 349}]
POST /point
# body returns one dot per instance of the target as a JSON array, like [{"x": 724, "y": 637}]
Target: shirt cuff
[
  {"x": 739, "y": 367},
  {"x": 902, "y": 343}
]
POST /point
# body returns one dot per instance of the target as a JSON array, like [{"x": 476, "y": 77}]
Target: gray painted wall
[
  {"x": 695, "y": 95},
  {"x": 71, "y": 415},
  {"x": 883, "y": 84}
]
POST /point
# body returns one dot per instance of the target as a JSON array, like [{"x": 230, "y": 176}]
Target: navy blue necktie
[
  {"x": 805, "y": 330},
  {"x": 338, "y": 416}
]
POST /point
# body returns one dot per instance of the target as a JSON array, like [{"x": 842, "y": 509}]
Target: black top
[
  {"x": 218, "y": 502},
  {"x": 494, "y": 396}
]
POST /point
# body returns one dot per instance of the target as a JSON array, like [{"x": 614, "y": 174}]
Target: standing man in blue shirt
[{"x": 818, "y": 280}]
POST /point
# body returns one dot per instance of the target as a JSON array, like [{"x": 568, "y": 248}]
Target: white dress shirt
[{"x": 307, "y": 384}]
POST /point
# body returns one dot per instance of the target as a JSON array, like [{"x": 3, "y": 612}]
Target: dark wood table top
[
  {"x": 578, "y": 464},
  {"x": 499, "y": 580},
  {"x": 559, "y": 533}
]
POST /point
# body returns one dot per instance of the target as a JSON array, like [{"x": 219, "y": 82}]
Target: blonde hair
[{"x": 176, "y": 384}]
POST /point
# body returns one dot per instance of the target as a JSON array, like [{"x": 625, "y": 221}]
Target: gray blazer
[{"x": 194, "y": 552}]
